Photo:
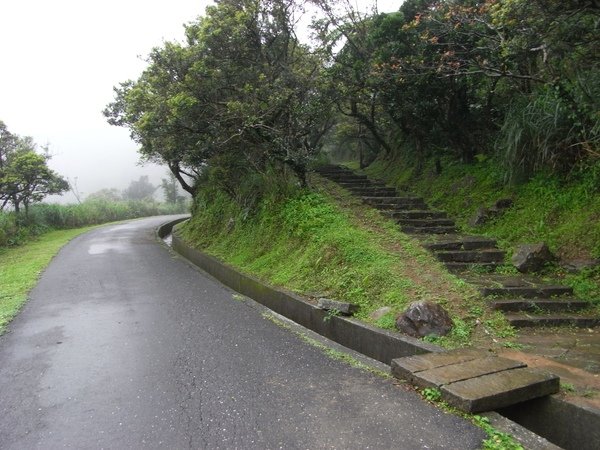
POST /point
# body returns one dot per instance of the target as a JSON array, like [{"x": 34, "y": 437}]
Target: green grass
[{"x": 21, "y": 266}]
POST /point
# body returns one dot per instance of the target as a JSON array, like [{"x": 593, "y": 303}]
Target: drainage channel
[{"x": 560, "y": 422}]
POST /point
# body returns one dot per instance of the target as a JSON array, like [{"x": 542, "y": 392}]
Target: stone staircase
[{"x": 525, "y": 301}]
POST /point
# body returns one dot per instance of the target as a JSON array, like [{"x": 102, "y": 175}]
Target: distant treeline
[{"x": 17, "y": 228}]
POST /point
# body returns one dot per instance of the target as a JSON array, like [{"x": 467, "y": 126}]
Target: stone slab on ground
[
  {"x": 498, "y": 390},
  {"x": 404, "y": 368},
  {"x": 475, "y": 380},
  {"x": 441, "y": 376}
]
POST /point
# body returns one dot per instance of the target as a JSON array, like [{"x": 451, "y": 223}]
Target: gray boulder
[
  {"x": 481, "y": 216},
  {"x": 532, "y": 257},
  {"x": 424, "y": 319}
]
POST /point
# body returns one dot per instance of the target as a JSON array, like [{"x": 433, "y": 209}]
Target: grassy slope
[
  {"x": 563, "y": 213},
  {"x": 326, "y": 243},
  {"x": 21, "y": 266}
]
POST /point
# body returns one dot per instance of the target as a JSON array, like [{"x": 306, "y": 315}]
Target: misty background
[{"x": 61, "y": 59}]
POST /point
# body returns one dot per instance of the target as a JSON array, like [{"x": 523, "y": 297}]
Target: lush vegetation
[
  {"x": 16, "y": 228},
  {"x": 21, "y": 266}
]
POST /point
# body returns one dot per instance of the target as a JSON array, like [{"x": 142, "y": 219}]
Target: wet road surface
[{"x": 124, "y": 346}]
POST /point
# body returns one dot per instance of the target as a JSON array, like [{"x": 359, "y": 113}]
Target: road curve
[{"x": 124, "y": 345}]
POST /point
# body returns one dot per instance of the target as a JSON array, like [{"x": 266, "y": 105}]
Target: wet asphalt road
[{"x": 125, "y": 346}]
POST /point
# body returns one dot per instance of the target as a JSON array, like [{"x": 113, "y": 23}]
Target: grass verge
[{"x": 20, "y": 268}]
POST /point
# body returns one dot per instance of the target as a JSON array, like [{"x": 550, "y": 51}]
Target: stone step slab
[
  {"x": 408, "y": 206},
  {"x": 361, "y": 183},
  {"x": 524, "y": 320},
  {"x": 428, "y": 230},
  {"x": 426, "y": 222},
  {"x": 527, "y": 292},
  {"x": 441, "y": 376},
  {"x": 475, "y": 380},
  {"x": 404, "y": 368},
  {"x": 374, "y": 192},
  {"x": 415, "y": 214},
  {"x": 499, "y": 390},
  {"x": 533, "y": 305},
  {"x": 461, "y": 243},
  {"x": 459, "y": 267},
  {"x": 392, "y": 200},
  {"x": 471, "y": 256}
]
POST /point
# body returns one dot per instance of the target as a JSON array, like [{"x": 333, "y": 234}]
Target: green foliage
[
  {"x": 241, "y": 92},
  {"x": 387, "y": 321},
  {"x": 432, "y": 394},
  {"x": 469, "y": 80},
  {"x": 496, "y": 439}
]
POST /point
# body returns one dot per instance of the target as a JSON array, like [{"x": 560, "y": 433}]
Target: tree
[
  {"x": 106, "y": 194},
  {"x": 169, "y": 187},
  {"x": 241, "y": 95},
  {"x": 141, "y": 189},
  {"x": 25, "y": 177}
]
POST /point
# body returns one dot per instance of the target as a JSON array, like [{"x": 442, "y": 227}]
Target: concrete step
[
  {"x": 331, "y": 168},
  {"x": 415, "y": 214},
  {"x": 471, "y": 256},
  {"x": 541, "y": 291},
  {"x": 426, "y": 222},
  {"x": 395, "y": 203},
  {"x": 441, "y": 229},
  {"x": 459, "y": 267},
  {"x": 475, "y": 380},
  {"x": 373, "y": 191},
  {"x": 408, "y": 206},
  {"x": 341, "y": 178},
  {"x": 461, "y": 243},
  {"x": 392, "y": 200},
  {"x": 522, "y": 320},
  {"x": 361, "y": 184},
  {"x": 541, "y": 304}
]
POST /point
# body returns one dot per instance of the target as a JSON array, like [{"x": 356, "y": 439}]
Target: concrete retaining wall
[{"x": 565, "y": 424}]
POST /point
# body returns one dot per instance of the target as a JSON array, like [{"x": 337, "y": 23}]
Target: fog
[{"x": 60, "y": 61}]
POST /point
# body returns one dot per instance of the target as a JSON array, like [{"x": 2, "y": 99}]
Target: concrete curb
[{"x": 563, "y": 423}]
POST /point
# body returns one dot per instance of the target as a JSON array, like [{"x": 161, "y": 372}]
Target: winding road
[{"x": 124, "y": 345}]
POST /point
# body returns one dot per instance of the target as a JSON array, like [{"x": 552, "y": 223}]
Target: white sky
[{"x": 60, "y": 61}]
